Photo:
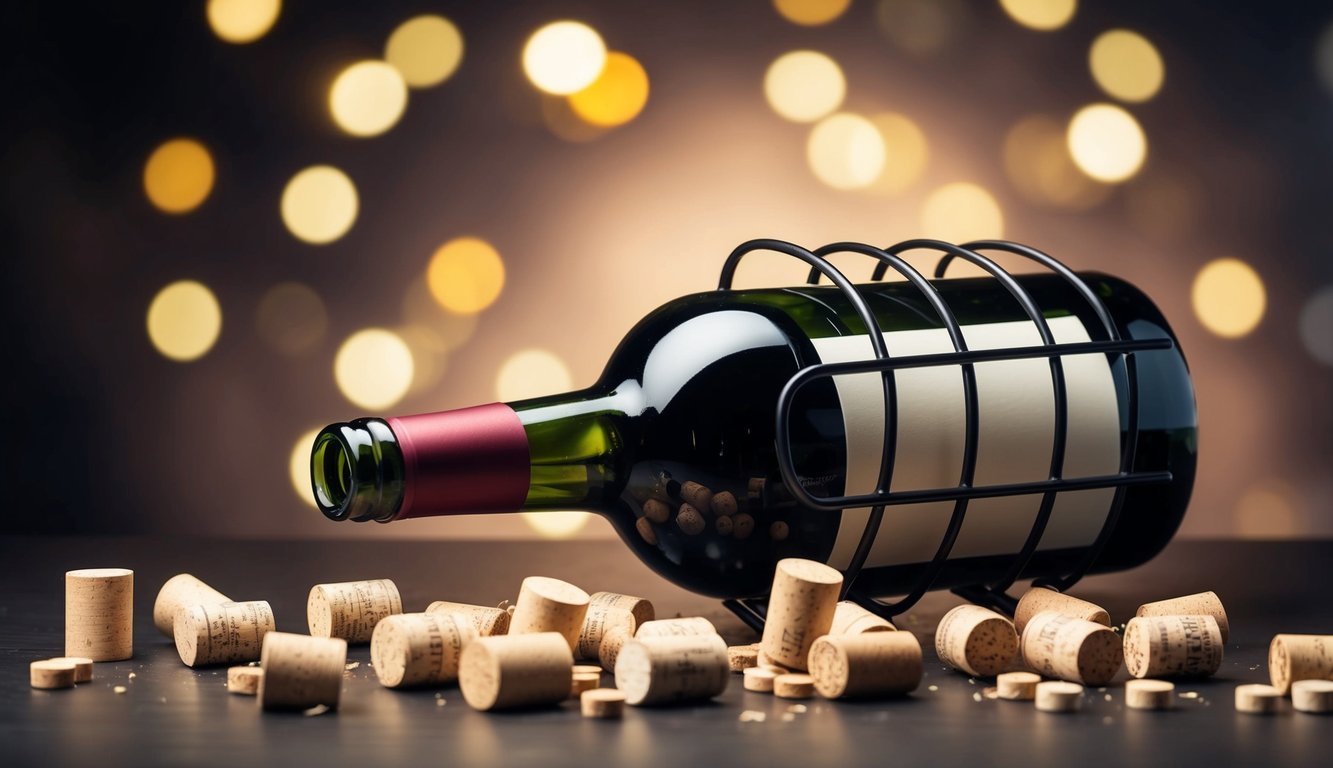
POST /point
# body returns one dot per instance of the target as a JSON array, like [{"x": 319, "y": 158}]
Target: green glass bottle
[{"x": 675, "y": 443}]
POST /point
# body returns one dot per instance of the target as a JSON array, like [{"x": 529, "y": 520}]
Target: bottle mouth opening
[{"x": 331, "y": 475}]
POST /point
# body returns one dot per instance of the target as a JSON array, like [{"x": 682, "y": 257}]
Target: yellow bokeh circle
[
  {"x": 425, "y": 50},
  {"x": 373, "y": 368},
  {"x": 298, "y": 466},
  {"x": 564, "y": 57},
  {"x": 184, "y": 320},
  {"x": 319, "y": 204},
  {"x": 1107, "y": 143},
  {"x": 617, "y": 96},
  {"x": 906, "y": 152},
  {"x": 804, "y": 86},
  {"x": 178, "y": 176},
  {"x": 532, "y": 373},
  {"x": 811, "y": 13},
  {"x": 242, "y": 21},
  {"x": 1228, "y": 297},
  {"x": 368, "y": 98},
  {"x": 960, "y": 212},
  {"x": 1126, "y": 65},
  {"x": 466, "y": 275},
  {"x": 846, "y": 151},
  {"x": 1043, "y": 15}
]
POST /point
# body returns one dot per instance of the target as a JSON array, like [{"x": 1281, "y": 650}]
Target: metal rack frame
[{"x": 995, "y": 594}]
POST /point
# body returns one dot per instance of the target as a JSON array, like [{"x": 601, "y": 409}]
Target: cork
[
  {"x": 800, "y": 609},
  {"x": 593, "y": 668},
  {"x": 1299, "y": 657},
  {"x": 224, "y": 633},
  {"x": 1039, "y": 599},
  {"x": 1173, "y": 646},
  {"x": 778, "y": 530},
  {"x": 1150, "y": 694},
  {"x": 602, "y": 703},
  {"x": 418, "y": 649},
  {"x": 99, "y": 613},
  {"x": 645, "y": 528},
  {"x": 550, "y": 605},
  {"x": 181, "y": 591},
  {"x": 866, "y": 665},
  {"x": 613, "y": 640},
  {"x": 724, "y": 525},
  {"x": 1070, "y": 648},
  {"x": 1257, "y": 699},
  {"x": 244, "y": 681},
  {"x": 301, "y": 671},
  {"x": 1056, "y": 696},
  {"x": 696, "y": 495},
  {"x": 742, "y": 657},
  {"x": 794, "y": 685},
  {"x": 488, "y": 621},
  {"x": 668, "y": 670},
  {"x": 1016, "y": 686},
  {"x": 351, "y": 609},
  {"x": 1200, "y": 604},
  {"x": 51, "y": 674},
  {"x": 724, "y": 503},
  {"x": 605, "y": 608},
  {"x": 768, "y": 663},
  {"x": 690, "y": 520},
  {"x": 742, "y": 525},
  {"x": 976, "y": 640},
  {"x": 851, "y": 619},
  {"x": 683, "y": 627},
  {"x": 758, "y": 679},
  {"x": 584, "y": 681},
  {"x": 516, "y": 670},
  {"x": 656, "y": 511},
  {"x": 1312, "y": 696},
  {"x": 83, "y": 667}
]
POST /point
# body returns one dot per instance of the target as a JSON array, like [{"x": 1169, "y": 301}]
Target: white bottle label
[{"x": 1016, "y": 419}]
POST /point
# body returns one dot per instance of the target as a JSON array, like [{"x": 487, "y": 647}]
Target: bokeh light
[
  {"x": 1228, "y": 297},
  {"x": 178, "y": 176},
  {"x": 960, "y": 212},
  {"x": 920, "y": 27},
  {"x": 1044, "y": 15},
  {"x": 367, "y": 98},
  {"x": 1037, "y": 161},
  {"x": 1107, "y": 143},
  {"x": 466, "y": 275},
  {"x": 1266, "y": 510},
  {"x": 1126, "y": 65},
  {"x": 291, "y": 318},
  {"x": 425, "y": 50},
  {"x": 298, "y": 466},
  {"x": 804, "y": 86},
  {"x": 184, "y": 320},
  {"x": 532, "y": 373},
  {"x": 373, "y": 368},
  {"x": 1317, "y": 326},
  {"x": 811, "y": 13},
  {"x": 846, "y": 151},
  {"x": 564, "y": 57},
  {"x": 906, "y": 152},
  {"x": 242, "y": 21},
  {"x": 319, "y": 204},
  {"x": 556, "y": 524},
  {"x": 617, "y": 96}
]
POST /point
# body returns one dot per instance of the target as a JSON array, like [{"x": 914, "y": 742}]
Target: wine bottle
[{"x": 675, "y": 443}]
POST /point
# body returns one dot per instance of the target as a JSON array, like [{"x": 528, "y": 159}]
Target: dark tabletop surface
[{"x": 172, "y": 715}]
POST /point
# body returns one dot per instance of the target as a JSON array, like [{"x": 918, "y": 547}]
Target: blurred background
[{"x": 228, "y": 223}]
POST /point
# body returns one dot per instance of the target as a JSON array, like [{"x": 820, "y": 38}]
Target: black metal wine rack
[{"x": 995, "y": 594}]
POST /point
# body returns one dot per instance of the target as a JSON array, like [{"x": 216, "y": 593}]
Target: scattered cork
[
  {"x": 584, "y": 681},
  {"x": 51, "y": 674},
  {"x": 640, "y": 607},
  {"x": 417, "y": 649},
  {"x": 182, "y": 591},
  {"x": 794, "y": 685},
  {"x": 602, "y": 703},
  {"x": 516, "y": 670},
  {"x": 758, "y": 679},
  {"x": 120, "y": 689},
  {"x": 851, "y": 619},
  {"x": 301, "y": 671},
  {"x": 976, "y": 640},
  {"x": 1071, "y": 648},
  {"x": 1173, "y": 646},
  {"x": 83, "y": 667},
  {"x": 614, "y": 638},
  {"x": 244, "y": 681},
  {"x": 605, "y": 610},
  {"x": 587, "y": 668},
  {"x": 1149, "y": 694},
  {"x": 742, "y": 657},
  {"x": 724, "y": 503},
  {"x": 752, "y": 716},
  {"x": 866, "y": 665},
  {"x": 1017, "y": 686},
  {"x": 550, "y": 605},
  {"x": 687, "y": 626},
  {"x": 778, "y": 531},
  {"x": 697, "y": 496},
  {"x": 224, "y": 633},
  {"x": 1312, "y": 696},
  {"x": 724, "y": 525},
  {"x": 800, "y": 609},
  {"x": 645, "y": 528},
  {"x": 1040, "y": 599},
  {"x": 350, "y": 610},
  {"x": 657, "y": 511},
  {"x": 690, "y": 520},
  {"x": 1200, "y": 604},
  {"x": 1257, "y": 699},
  {"x": 1058, "y": 696},
  {"x": 1299, "y": 657},
  {"x": 351, "y": 665},
  {"x": 742, "y": 525},
  {"x": 99, "y": 613},
  {"x": 667, "y": 670},
  {"x": 488, "y": 621}
]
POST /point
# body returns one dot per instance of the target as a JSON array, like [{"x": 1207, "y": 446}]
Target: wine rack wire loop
[{"x": 1117, "y": 349}]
